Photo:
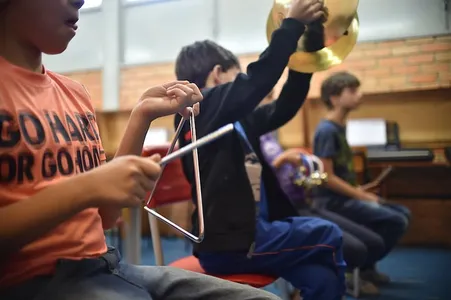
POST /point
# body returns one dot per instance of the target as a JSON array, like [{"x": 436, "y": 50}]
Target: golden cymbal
[
  {"x": 327, "y": 57},
  {"x": 341, "y": 15},
  {"x": 341, "y": 31}
]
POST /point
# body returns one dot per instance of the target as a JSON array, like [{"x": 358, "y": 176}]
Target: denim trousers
[
  {"x": 389, "y": 220},
  {"x": 306, "y": 252},
  {"x": 107, "y": 278},
  {"x": 362, "y": 247}
]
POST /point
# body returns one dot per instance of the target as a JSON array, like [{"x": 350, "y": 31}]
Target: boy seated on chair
[
  {"x": 247, "y": 232},
  {"x": 57, "y": 194},
  {"x": 361, "y": 246},
  {"x": 341, "y": 95}
]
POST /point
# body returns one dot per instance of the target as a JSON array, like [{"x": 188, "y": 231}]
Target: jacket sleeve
[
  {"x": 274, "y": 115},
  {"x": 235, "y": 100}
]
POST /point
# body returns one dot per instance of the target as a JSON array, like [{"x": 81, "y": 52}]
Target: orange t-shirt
[{"x": 48, "y": 132}]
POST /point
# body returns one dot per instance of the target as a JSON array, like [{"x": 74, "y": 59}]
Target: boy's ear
[
  {"x": 334, "y": 100},
  {"x": 216, "y": 74}
]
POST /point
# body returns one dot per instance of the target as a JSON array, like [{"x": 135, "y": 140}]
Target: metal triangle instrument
[{"x": 170, "y": 156}]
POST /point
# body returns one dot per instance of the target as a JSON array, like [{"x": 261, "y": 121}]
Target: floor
[{"x": 416, "y": 273}]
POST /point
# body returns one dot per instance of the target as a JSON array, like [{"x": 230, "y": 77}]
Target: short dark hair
[
  {"x": 195, "y": 62},
  {"x": 335, "y": 84}
]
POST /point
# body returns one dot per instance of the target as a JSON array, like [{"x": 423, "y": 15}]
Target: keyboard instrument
[{"x": 394, "y": 155}]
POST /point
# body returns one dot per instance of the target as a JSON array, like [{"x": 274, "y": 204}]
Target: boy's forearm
[
  {"x": 135, "y": 133},
  {"x": 131, "y": 144},
  {"x": 278, "y": 162},
  {"x": 27, "y": 220},
  {"x": 341, "y": 187},
  {"x": 285, "y": 158},
  {"x": 241, "y": 97},
  {"x": 276, "y": 114},
  {"x": 292, "y": 97}
]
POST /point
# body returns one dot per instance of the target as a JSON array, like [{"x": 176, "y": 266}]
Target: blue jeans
[
  {"x": 307, "y": 252},
  {"x": 107, "y": 278},
  {"x": 362, "y": 247},
  {"x": 388, "y": 220}
]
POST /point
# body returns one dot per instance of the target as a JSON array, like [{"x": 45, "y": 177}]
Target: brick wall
[{"x": 401, "y": 65}]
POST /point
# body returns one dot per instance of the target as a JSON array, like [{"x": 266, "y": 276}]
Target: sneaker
[
  {"x": 366, "y": 288},
  {"x": 374, "y": 277}
]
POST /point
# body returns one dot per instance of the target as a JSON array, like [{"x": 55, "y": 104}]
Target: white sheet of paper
[
  {"x": 366, "y": 132},
  {"x": 156, "y": 136}
]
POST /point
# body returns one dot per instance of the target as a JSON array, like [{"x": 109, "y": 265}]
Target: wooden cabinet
[{"x": 425, "y": 188}]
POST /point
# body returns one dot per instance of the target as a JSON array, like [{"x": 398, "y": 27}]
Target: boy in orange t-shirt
[{"x": 56, "y": 197}]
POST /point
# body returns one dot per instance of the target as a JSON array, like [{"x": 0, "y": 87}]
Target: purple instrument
[
  {"x": 286, "y": 173},
  {"x": 294, "y": 181}
]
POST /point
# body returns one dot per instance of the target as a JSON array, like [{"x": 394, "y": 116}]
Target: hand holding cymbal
[
  {"x": 306, "y": 11},
  {"x": 332, "y": 37},
  {"x": 314, "y": 37}
]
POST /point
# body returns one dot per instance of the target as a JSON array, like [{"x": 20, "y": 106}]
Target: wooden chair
[{"x": 173, "y": 188}]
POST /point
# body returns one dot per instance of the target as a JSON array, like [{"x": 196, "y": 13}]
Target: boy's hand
[
  {"x": 291, "y": 156},
  {"x": 372, "y": 187},
  {"x": 123, "y": 182},
  {"x": 170, "y": 98},
  {"x": 306, "y": 11},
  {"x": 370, "y": 197}
]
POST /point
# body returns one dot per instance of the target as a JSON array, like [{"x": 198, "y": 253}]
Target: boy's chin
[
  {"x": 55, "y": 49},
  {"x": 55, "y": 44},
  {"x": 352, "y": 106}
]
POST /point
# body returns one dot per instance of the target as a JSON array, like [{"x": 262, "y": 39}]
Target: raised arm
[
  {"x": 241, "y": 97},
  {"x": 271, "y": 116}
]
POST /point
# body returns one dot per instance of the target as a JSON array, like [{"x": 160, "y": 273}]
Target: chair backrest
[{"x": 173, "y": 186}]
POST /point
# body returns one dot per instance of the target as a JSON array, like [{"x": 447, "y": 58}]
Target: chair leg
[
  {"x": 156, "y": 240},
  {"x": 356, "y": 290}
]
